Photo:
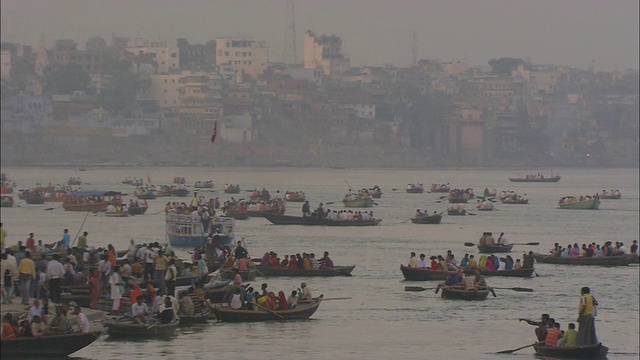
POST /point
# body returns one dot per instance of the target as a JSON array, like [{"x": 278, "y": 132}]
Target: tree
[
  {"x": 504, "y": 66},
  {"x": 65, "y": 79}
]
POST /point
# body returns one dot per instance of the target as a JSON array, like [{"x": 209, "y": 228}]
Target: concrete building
[
  {"x": 166, "y": 57},
  {"x": 196, "y": 56},
  {"x": 248, "y": 58},
  {"x": 65, "y": 52},
  {"x": 5, "y": 64},
  {"x": 467, "y": 136},
  {"x": 325, "y": 52}
]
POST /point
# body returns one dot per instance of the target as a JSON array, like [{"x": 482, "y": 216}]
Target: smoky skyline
[{"x": 374, "y": 33}]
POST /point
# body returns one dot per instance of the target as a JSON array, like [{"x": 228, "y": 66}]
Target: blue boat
[{"x": 184, "y": 232}]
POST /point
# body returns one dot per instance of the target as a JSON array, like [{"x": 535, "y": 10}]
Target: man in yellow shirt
[
  {"x": 27, "y": 269},
  {"x": 3, "y": 234},
  {"x": 82, "y": 241},
  {"x": 586, "y": 318}
]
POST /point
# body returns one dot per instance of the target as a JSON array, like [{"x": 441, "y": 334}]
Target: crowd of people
[
  {"x": 485, "y": 262},
  {"x": 40, "y": 321},
  {"x": 356, "y": 195},
  {"x": 336, "y": 215},
  {"x": 572, "y": 199},
  {"x": 249, "y": 299},
  {"x": 296, "y": 262},
  {"x": 549, "y": 332},
  {"x": 593, "y": 250}
]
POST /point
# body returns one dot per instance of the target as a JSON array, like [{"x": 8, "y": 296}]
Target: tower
[{"x": 289, "y": 51}]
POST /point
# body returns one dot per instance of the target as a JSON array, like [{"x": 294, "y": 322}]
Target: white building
[{"x": 247, "y": 57}]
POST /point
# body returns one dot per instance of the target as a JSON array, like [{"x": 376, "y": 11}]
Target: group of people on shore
[
  {"x": 593, "y": 250},
  {"x": 549, "y": 331}
]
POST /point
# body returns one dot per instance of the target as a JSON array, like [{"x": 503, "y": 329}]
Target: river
[{"x": 381, "y": 320}]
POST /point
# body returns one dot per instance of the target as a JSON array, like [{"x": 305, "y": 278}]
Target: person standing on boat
[
  {"x": 66, "y": 238},
  {"x": 586, "y": 318},
  {"x": 306, "y": 209},
  {"x": 117, "y": 289}
]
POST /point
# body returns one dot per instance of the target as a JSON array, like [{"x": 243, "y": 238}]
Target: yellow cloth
[
  {"x": 82, "y": 242},
  {"x": 27, "y": 267},
  {"x": 3, "y": 234},
  {"x": 586, "y": 301}
]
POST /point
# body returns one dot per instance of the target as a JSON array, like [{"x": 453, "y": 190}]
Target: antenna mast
[{"x": 289, "y": 50}]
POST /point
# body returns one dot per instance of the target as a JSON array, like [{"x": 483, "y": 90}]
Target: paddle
[
  {"x": 80, "y": 229},
  {"x": 472, "y": 214},
  {"x": 518, "y": 289},
  {"x": 528, "y": 244},
  {"x": 520, "y": 348},
  {"x": 469, "y": 244},
  {"x": 271, "y": 311},
  {"x": 47, "y": 209},
  {"x": 406, "y": 220},
  {"x": 330, "y": 203},
  {"x": 342, "y": 298},
  {"x": 419, "y": 288}
]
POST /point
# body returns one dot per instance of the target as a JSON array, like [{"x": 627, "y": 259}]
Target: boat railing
[{"x": 184, "y": 225}]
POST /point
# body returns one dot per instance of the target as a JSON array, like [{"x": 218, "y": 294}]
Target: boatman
[
  {"x": 306, "y": 209},
  {"x": 586, "y": 318}
]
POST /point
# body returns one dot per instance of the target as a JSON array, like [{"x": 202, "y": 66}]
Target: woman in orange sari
[
  {"x": 95, "y": 291},
  {"x": 111, "y": 255},
  {"x": 135, "y": 292}
]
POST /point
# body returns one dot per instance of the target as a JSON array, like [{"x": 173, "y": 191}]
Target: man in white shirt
[
  {"x": 83, "y": 322},
  {"x": 422, "y": 263},
  {"x": 140, "y": 311},
  {"x": 140, "y": 253},
  {"x": 34, "y": 310},
  {"x": 55, "y": 272}
]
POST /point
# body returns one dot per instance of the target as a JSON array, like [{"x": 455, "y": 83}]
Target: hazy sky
[{"x": 373, "y": 32}]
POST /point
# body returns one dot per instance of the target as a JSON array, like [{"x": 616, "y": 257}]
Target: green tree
[
  {"x": 504, "y": 65},
  {"x": 65, "y": 79}
]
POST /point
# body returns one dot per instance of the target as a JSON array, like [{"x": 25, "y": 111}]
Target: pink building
[{"x": 467, "y": 136}]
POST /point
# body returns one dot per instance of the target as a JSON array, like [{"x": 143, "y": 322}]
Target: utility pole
[
  {"x": 414, "y": 50},
  {"x": 289, "y": 51}
]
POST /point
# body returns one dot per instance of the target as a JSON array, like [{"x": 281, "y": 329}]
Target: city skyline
[{"x": 573, "y": 33}]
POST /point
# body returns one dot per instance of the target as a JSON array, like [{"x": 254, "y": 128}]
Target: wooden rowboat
[
  {"x": 490, "y": 249},
  {"x": 618, "y": 260},
  {"x": 432, "y": 219},
  {"x": 193, "y": 320},
  {"x": 425, "y": 274},
  {"x": 313, "y": 220},
  {"x": 612, "y": 197},
  {"x": 301, "y": 312},
  {"x": 137, "y": 210},
  {"x": 360, "y": 203},
  {"x": 449, "y": 292},
  {"x": 590, "y": 204},
  {"x": 456, "y": 212},
  {"x": 597, "y": 351},
  {"x": 551, "y": 179},
  {"x": 48, "y": 345},
  {"x": 132, "y": 330},
  {"x": 247, "y": 275},
  {"x": 326, "y": 272}
]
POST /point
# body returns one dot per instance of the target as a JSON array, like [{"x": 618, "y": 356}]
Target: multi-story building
[
  {"x": 196, "y": 56},
  {"x": 65, "y": 52},
  {"x": 325, "y": 52},
  {"x": 5, "y": 64},
  {"x": 467, "y": 136},
  {"x": 247, "y": 57},
  {"x": 167, "y": 58}
]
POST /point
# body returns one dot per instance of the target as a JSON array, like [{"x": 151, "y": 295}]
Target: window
[{"x": 226, "y": 53}]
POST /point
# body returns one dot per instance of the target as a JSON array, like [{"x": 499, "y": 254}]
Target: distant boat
[
  {"x": 535, "y": 178},
  {"x": 590, "y": 204}
]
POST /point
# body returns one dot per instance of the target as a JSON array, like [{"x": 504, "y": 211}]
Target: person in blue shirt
[
  {"x": 66, "y": 238},
  {"x": 455, "y": 279},
  {"x": 508, "y": 263},
  {"x": 465, "y": 260}
]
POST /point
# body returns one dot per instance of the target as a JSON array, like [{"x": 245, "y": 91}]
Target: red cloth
[
  {"x": 135, "y": 293},
  {"x": 271, "y": 301},
  {"x": 553, "y": 335},
  {"x": 95, "y": 279},
  {"x": 282, "y": 301},
  {"x": 293, "y": 264}
]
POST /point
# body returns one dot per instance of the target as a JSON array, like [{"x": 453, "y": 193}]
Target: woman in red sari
[
  {"x": 95, "y": 280},
  {"x": 271, "y": 301},
  {"x": 282, "y": 301},
  {"x": 135, "y": 292}
]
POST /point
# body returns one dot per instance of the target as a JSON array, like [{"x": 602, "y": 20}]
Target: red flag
[{"x": 215, "y": 128}]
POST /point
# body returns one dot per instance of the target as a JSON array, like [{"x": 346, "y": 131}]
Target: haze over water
[{"x": 381, "y": 321}]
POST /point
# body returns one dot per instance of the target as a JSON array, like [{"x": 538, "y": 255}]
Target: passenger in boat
[
  {"x": 479, "y": 281},
  {"x": 465, "y": 261},
  {"x": 502, "y": 240},
  {"x": 570, "y": 336},
  {"x": 293, "y": 263},
  {"x": 553, "y": 334},
  {"x": 140, "y": 311},
  {"x": 305, "y": 292},
  {"x": 325, "y": 261},
  {"x": 490, "y": 265},
  {"x": 187, "y": 307},
  {"x": 422, "y": 263},
  {"x": 306, "y": 262},
  {"x": 508, "y": 263},
  {"x": 472, "y": 262},
  {"x": 240, "y": 252},
  {"x": 292, "y": 301},
  {"x": 314, "y": 263},
  {"x": 528, "y": 260},
  {"x": 442, "y": 264},
  {"x": 168, "y": 314},
  {"x": 517, "y": 265},
  {"x": 38, "y": 327},
  {"x": 299, "y": 261},
  {"x": 117, "y": 289},
  {"x": 306, "y": 209},
  {"x": 10, "y": 328},
  {"x": 413, "y": 261},
  {"x": 455, "y": 279},
  {"x": 283, "y": 304},
  {"x": 586, "y": 318},
  {"x": 434, "y": 263},
  {"x": 418, "y": 214},
  {"x": 83, "y": 322}
]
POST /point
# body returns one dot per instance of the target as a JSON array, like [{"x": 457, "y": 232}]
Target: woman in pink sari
[
  {"x": 282, "y": 301},
  {"x": 95, "y": 280}
]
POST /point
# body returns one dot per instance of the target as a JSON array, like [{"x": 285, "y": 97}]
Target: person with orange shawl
[
  {"x": 151, "y": 295},
  {"x": 95, "y": 291},
  {"x": 135, "y": 292},
  {"x": 111, "y": 255}
]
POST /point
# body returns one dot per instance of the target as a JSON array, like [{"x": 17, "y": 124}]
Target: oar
[
  {"x": 518, "y": 289},
  {"x": 406, "y": 220},
  {"x": 470, "y": 213},
  {"x": 47, "y": 209},
  {"x": 514, "y": 350},
  {"x": 469, "y": 244},
  {"x": 330, "y": 203},
  {"x": 271, "y": 311},
  {"x": 529, "y": 243},
  {"x": 342, "y": 298},
  {"x": 418, "y": 288}
]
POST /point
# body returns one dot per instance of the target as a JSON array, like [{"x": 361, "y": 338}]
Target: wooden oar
[
  {"x": 418, "y": 288},
  {"x": 271, "y": 311},
  {"x": 469, "y": 244},
  {"x": 514, "y": 350},
  {"x": 519, "y": 289},
  {"x": 47, "y": 209},
  {"x": 406, "y": 220},
  {"x": 330, "y": 203},
  {"x": 528, "y": 244},
  {"x": 342, "y": 298},
  {"x": 472, "y": 214}
]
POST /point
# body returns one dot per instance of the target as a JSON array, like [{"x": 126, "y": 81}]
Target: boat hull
[
  {"x": 47, "y": 346},
  {"x": 336, "y": 271},
  {"x": 543, "y": 180},
  {"x": 359, "y": 203},
  {"x": 137, "y": 210},
  {"x": 460, "y": 294},
  {"x": 415, "y": 191},
  {"x": 101, "y": 206},
  {"x": 490, "y": 249},
  {"x": 592, "y": 204},
  {"x": 417, "y": 274},
  {"x": 456, "y": 212},
  {"x": 313, "y": 220},
  {"x": 598, "y": 351},
  {"x": 433, "y": 219},
  {"x": 621, "y": 260},
  {"x": 137, "y": 331}
]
